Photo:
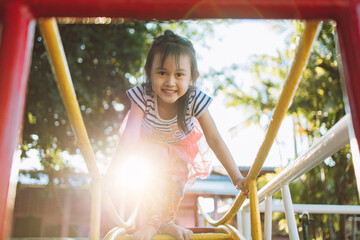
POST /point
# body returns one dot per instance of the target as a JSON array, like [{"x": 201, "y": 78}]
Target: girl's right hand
[{"x": 239, "y": 184}]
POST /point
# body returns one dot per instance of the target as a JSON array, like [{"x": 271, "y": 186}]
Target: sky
[{"x": 232, "y": 44}]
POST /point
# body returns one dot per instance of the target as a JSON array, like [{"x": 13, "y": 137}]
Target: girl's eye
[
  {"x": 179, "y": 74},
  {"x": 162, "y": 73}
]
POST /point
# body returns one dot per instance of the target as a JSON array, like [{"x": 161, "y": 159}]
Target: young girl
[{"x": 167, "y": 119}]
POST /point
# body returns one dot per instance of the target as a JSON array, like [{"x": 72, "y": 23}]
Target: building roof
[
  {"x": 213, "y": 185},
  {"x": 219, "y": 183}
]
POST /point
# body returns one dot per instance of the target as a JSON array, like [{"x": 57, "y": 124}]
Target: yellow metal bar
[
  {"x": 61, "y": 70},
  {"x": 95, "y": 214},
  {"x": 287, "y": 93},
  {"x": 232, "y": 231},
  {"x": 115, "y": 233},
  {"x": 113, "y": 214},
  {"x": 286, "y": 96},
  {"x": 56, "y": 52},
  {"x": 229, "y": 214},
  {"x": 220, "y": 229},
  {"x": 254, "y": 212},
  {"x": 223, "y": 232},
  {"x": 202, "y": 236}
]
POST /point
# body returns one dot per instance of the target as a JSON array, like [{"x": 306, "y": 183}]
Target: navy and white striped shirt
[{"x": 167, "y": 130}]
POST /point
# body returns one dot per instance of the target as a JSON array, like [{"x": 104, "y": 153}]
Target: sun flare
[{"x": 135, "y": 173}]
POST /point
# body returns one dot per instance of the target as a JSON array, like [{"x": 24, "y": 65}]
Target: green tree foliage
[
  {"x": 317, "y": 106},
  {"x": 104, "y": 60}
]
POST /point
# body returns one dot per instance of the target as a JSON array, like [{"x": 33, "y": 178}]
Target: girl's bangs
[{"x": 171, "y": 50}]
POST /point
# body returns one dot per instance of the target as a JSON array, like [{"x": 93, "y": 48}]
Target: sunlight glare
[{"x": 135, "y": 173}]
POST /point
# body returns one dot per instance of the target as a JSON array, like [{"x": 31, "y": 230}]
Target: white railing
[{"x": 335, "y": 139}]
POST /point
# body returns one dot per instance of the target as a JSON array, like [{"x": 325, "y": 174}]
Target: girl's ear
[{"x": 194, "y": 79}]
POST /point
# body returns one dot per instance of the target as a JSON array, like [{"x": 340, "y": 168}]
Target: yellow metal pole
[
  {"x": 232, "y": 231},
  {"x": 56, "y": 52},
  {"x": 113, "y": 214},
  {"x": 287, "y": 93},
  {"x": 229, "y": 214},
  {"x": 61, "y": 70},
  {"x": 57, "y": 58},
  {"x": 95, "y": 214},
  {"x": 254, "y": 212},
  {"x": 207, "y": 236},
  {"x": 115, "y": 233}
]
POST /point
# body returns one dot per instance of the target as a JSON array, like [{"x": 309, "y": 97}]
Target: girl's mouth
[{"x": 168, "y": 92}]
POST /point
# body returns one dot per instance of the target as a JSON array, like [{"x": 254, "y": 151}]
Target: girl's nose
[{"x": 170, "y": 81}]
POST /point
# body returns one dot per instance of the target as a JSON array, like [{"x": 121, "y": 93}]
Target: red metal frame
[
  {"x": 348, "y": 27},
  {"x": 15, "y": 51},
  {"x": 18, "y": 31},
  {"x": 182, "y": 9}
]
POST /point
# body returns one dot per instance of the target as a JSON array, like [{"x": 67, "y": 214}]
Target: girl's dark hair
[{"x": 171, "y": 44}]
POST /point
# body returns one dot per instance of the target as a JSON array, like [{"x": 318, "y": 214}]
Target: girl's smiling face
[{"x": 170, "y": 80}]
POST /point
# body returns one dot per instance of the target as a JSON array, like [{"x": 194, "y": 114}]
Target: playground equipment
[{"x": 18, "y": 22}]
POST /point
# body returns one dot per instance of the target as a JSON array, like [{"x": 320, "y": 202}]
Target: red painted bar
[
  {"x": 18, "y": 31},
  {"x": 188, "y": 9},
  {"x": 349, "y": 40},
  {"x": 348, "y": 27},
  {"x": 15, "y": 52}
]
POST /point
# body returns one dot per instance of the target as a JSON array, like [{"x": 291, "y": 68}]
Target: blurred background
[{"x": 243, "y": 65}]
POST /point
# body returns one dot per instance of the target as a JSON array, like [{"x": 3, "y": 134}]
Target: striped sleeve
[
  {"x": 200, "y": 103},
  {"x": 137, "y": 96}
]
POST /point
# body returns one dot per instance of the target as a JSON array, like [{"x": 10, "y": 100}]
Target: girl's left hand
[{"x": 239, "y": 184}]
